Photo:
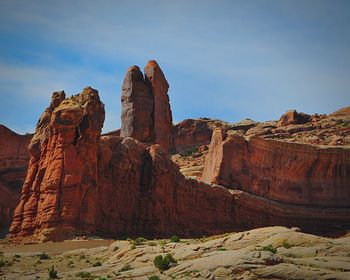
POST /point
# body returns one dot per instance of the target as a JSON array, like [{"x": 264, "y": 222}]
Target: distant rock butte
[
  {"x": 80, "y": 182},
  {"x": 13, "y": 166}
]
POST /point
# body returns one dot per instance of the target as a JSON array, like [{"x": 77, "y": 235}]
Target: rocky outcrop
[
  {"x": 299, "y": 174},
  {"x": 61, "y": 182},
  {"x": 192, "y": 133},
  {"x": 137, "y": 107},
  {"x": 162, "y": 116},
  {"x": 14, "y": 159},
  {"x": 146, "y": 113},
  {"x": 293, "y": 117}
]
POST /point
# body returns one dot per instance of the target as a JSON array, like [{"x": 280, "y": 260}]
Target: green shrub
[
  {"x": 125, "y": 268},
  {"x": 139, "y": 241},
  {"x": 152, "y": 243},
  {"x": 98, "y": 263},
  {"x": 43, "y": 256},
  {"x": 116, "y": 248},
  {"x": 286, "y": 245},
  {"x": 52, "y": 273},
  {"x": 153, "y": 277},
  {"x": 164, "y": 263},
  {"x": 17, "y": 256},
  {"x": 270, "y": 248},
  {"x": 83, "y": 274},
  {"x": 221, "y": 249},
  {"x": 175, "y": 238},
  {"x": 2, "y": 263}
]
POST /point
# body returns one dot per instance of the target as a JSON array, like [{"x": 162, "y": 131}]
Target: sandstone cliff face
[
  {"x": 62, "y": 177},
  {"x": 14, "y": 159},
  {"x": 146, "y": 113},
  {"x": 143, "y": 193},
  {"x": 286, "y": 172}
]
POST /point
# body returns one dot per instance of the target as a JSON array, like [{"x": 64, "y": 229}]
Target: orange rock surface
[{"x": 61, "y": 181}]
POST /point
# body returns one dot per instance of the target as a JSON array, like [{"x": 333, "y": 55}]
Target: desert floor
[{"x": 265, "y": 253}]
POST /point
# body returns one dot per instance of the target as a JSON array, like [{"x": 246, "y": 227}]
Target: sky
[{"x": 226, "y": 60}]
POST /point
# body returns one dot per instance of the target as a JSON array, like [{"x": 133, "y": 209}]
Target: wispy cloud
[{"x": 230, "y": 60}]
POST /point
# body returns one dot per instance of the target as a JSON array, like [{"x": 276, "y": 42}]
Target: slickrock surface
[
  {"x": 265, "y": 253},
  {"x": 14, "y": 159},
  {"x": 146, "y": 113},
  {"x": 61, "y": 181}
]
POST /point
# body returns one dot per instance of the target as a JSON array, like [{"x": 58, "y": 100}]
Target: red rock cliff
[
  {"x": 14, "y": 159},
  {"x": 61, "y": 183},
  {"x": 287, "y": 172}
]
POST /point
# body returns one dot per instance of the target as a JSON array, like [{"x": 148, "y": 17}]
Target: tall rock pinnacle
[{"x": 146, "y": 113}]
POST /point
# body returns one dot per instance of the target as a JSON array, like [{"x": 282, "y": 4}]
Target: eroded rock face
[
  {"x": 163, "y": 121},
  {"x": 194, "y": 133},
  {"x": 143, "y": 193},
  {"x": 287, "y": 172},
  {"x": 293, "y": 117},
  {"x": 14, "y": 159},
  {"x": 137, "y": 107},
  {"x": 146, "y": 113},
  {"x": 61, "y": 182}
]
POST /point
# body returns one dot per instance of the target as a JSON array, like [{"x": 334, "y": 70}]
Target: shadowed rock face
[
  {"x": 137, "y": 107},
  {"x": 14, "y": 159},
  {"x": 146, "y": 114},
  {"x": 62, "y": 177}
]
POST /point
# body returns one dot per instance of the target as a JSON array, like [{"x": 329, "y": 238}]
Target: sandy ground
[{"x": 265, "y": 253}]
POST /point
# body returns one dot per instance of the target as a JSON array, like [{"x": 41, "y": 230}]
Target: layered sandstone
[
  {"x": 287, "y": 172},
  {"x": 14, "y": 159},
  {"x": 146, "y": 113},
  {"x": 61, "y": 182}
]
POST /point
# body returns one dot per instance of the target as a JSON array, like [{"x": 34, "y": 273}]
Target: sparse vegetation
[
  {"x": 116, "y": 248},
  {"x": 44, "y": 256},
  {"x": 125, "y": 268},
  {"x": 221, "y": 249},
  {"x": 286, "y": 245},
  {"x": 98, "y": 263},
  {"x": 151, "y": 243},
  {"x": 175, "y": 239},
  {"x": 153, "y": 277},
  {"x": 17, "y": 256},
  {"x": 270, "y": 248},
  {"x": 164, "y": 263},
  {"x": 83, "y": 274},
  {"x": 52, "y": 273},
  {"x": 2, "y": 263}
]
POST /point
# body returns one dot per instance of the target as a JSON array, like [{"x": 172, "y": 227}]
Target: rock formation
[
  {"x": 80, "y": 182},
  {"x": 14, "y": 158},
  {"x": 287, "y": 172},
  {"x": 61, "y": 183},
  {"x": 146, "y": 114},
  {"x": 192, "y": 133},
  {"x": 137, "y": 107},
  {"x": 293, "y": 117},
  {"x": 162, "y": 117}
]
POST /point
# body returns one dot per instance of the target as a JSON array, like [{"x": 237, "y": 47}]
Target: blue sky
[{"x": 223, "y": 59}]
